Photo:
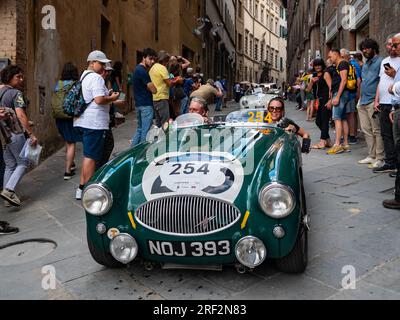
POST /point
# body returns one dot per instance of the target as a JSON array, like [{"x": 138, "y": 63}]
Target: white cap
[
  {"x": 108, "y": 67},
  {"x": 98, "y": 56}
]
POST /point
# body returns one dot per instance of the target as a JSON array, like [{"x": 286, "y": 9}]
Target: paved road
[{"x": 349, "y": 228}]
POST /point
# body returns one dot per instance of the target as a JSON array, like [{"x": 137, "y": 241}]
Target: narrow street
[{"x": 350, "y": 228}]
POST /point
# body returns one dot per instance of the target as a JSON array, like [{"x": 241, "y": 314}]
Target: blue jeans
[
  {"x": 145, "y": 116},
  {"x": 15, "y": 165},
  {"x": 185, "y": 105},
  {"x": 218, "y": 104}
]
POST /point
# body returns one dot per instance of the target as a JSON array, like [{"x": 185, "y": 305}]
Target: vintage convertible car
[
  {"x": 203, "y": 196},
  {"x": 256, "y": 100}
]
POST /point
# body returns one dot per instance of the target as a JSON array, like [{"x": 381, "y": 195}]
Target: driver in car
[
  {"x": 200, "y": 106},
  {"x": 276, "y": 108}
]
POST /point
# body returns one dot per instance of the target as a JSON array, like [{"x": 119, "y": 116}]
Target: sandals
[{"x": 318, "y": 147}]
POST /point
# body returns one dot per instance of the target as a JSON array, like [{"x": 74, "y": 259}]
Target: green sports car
[{"x": 201, "y": 195}]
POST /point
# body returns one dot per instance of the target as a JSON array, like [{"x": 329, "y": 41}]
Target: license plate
[{"x": 190, "y": 249}]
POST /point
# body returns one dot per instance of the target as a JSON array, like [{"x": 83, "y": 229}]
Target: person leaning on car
[{"x": 207, "y": 92}]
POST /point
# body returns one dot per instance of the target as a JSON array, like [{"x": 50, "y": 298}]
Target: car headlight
[
  {"x": 97, "y": 200},
  {"x": 124, "y": 248},
  {"x": 250, "y": 252},
  {"x": 277, "y": 201}
]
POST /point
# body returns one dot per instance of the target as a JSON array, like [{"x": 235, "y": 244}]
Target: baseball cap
[
  {"x": 108, "y": 67},
  {"x": 98, "y": 56}
]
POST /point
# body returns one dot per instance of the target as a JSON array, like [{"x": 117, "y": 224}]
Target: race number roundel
[{"x": 217, "y": 175}]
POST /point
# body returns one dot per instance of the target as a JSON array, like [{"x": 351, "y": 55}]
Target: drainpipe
[{"x": 156, "y": 19}]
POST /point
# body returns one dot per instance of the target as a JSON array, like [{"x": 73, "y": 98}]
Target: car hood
[{"x": 213, "y": 162}]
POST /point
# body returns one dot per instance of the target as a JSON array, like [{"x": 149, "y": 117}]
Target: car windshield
[{"x": 189, "y": 120}]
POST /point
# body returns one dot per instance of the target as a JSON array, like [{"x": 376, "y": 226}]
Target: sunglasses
[
  {"x": 274, "y": 109},
  {"x": 395, "y": 45}
]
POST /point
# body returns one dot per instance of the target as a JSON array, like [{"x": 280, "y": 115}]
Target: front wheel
[
  {"x": 297, "y": 260},
  {"x": 102, "y": 257}
]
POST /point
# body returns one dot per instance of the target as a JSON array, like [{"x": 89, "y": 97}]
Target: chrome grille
[{"x": 187, "y": 215}]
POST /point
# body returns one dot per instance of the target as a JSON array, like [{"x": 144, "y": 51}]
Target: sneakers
[
  {"x": 69, "y": 176},
  {"x": 367, "y": 160},
  {"x": 391, "y": 204},
  {"x": 335, "y": 150},
  {"x": 78, "y": 195},
  {"x": 11, "y": 197},
  {"x": 353, "y": 140},
  {"x": 376, "y": 165},
  {"x": 73, "y": 168},
  {"x": 6, "y": 229},
  {"x": 386, "y": 168},
  {"x": 346, "y": 148}
]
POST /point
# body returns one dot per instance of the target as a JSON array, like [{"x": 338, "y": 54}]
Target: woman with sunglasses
[{"x": 276, "y": 108}]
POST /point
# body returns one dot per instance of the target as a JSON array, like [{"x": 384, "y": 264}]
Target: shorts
[
  {"x": 93, "y": 143},
  {"x": 67, "y": 130},
  {"x": 351, "y": 106},
  {"x": 339, "y": 112},
  {"x": 310, "y": 97}
]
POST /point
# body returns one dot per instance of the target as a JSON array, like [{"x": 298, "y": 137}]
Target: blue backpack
[{"x": 74, "y": 104}]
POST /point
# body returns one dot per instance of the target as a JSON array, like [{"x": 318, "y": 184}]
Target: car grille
[{"x": 187, "y": 215}]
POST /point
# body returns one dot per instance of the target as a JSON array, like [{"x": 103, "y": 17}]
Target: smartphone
[
  {"x": 315, "y": 75},
  {"x": 306, "y": 146},
  {"x": 387, "y": 66}
]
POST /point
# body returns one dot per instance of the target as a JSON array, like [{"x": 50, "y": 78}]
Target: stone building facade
[
  {"x": 121, "y": 28},
  {"x": 263, "y": 43},
  {"x": 315, "y": 27},
  {"x": 219, "y": 41}
]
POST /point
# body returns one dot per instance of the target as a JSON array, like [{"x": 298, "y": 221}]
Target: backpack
[
  {"x": 352, "y": 79},
  {"x": 57, "y": 100},
  {"x": 74, "y": 104}
]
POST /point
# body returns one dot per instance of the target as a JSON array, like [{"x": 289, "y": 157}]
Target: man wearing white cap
[{"x": 94, "y": 122}]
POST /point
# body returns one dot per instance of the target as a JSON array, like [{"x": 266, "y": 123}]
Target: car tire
[
  {"x": 102, "y": 257},
  {"x": 297, "y": 260}
]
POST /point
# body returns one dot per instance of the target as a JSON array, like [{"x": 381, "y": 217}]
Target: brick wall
[
  {"x": 8, "y": 29},
  {"x": 384, "y": 20}
]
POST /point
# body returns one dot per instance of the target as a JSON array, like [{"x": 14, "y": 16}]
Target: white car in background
[{"x": 258, "y": 99}]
